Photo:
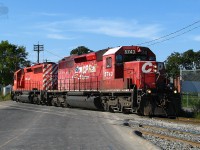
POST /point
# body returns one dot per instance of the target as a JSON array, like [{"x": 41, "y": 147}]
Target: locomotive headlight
[
  {"x": 148, "y": 91},
  {"x": 175, "y": 91}
]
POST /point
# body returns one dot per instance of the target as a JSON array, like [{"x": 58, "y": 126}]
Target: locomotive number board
[{"x": 129, "y": 51}]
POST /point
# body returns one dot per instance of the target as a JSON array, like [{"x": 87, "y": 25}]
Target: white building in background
[
  {"x": 7, "y": 89},
  {"x": 190, "y": 80}
]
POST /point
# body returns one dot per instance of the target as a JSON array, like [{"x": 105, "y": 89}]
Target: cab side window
[
  {"x": 119, "y": 59},
  {"x": 108, "y": 62}
]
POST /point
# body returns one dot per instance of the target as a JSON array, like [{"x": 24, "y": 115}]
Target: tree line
[
  {"x": 14, "y": 57},
  {"x": 188, "y": 60}
]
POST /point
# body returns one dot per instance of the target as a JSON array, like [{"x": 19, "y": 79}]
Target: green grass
[
  {"x": 192, "y": 100},
  {"x": 188, "y": 100},
  {"x": 197, "y": 116},
  {"x": 5, "y": 98}
]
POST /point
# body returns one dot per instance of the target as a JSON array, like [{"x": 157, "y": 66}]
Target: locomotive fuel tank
[{"x": 84, "y": 101}]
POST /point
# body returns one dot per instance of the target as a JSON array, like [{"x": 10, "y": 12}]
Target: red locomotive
[{"x": 123, "y": 79}]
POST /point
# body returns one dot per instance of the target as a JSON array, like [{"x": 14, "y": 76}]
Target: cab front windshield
[{"x": 136, "y": 57}]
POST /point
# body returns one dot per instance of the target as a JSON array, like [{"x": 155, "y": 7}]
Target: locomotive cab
[
  {"x": 123, "y": 64},
  {"x": 18, "y": 79}
]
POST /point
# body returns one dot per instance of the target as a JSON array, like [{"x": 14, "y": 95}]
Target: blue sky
[{"x": 62, "y": 25}]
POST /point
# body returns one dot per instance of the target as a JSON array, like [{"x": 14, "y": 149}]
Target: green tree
[
  {"x": 12, "y": 58},
  {"x": 186, "y": 60},
  {"x": 172, "y": 64},
  {"x": 80, "y": 50}
]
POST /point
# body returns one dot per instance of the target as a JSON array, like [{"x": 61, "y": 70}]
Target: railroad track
[
  {"x": 171, "y": 135},
  {"x": 167, "y": 134},
  {"x": 181, "y": 120}
]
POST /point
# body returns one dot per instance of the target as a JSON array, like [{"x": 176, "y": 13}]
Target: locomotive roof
[
  {"x": 115, "y": 49},
  {"x": 69, "y": 58},
  {"x": 112, "y": 50}
]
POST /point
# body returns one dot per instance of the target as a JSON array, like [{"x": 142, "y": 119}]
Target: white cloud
[
  {"x": 57, "y": 37},
  {"x": 197, "y": 38},
  {"x": 115, "y": 28}
]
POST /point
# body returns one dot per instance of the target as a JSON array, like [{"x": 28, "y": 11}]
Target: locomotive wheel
[
  {"x": 38, "y": 101},
  {"x": 31, "y": 99},
  {"x": 52, "y": 103},
  {"x": 125, "y": 111},
  {"x": 110, "y": 109},
  {"x": 58, "y": 103},
  {"x": 15, "y": 98},
  {"x": 105, "y": 106},
  {"x": 65, "y": 104},
  {"x": 48, "y": 102}
]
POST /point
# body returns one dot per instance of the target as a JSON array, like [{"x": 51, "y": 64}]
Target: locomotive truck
[{"x": 121, "y": 79}]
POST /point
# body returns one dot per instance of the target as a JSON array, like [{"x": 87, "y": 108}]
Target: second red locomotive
[{"x": 122, "y": 79}]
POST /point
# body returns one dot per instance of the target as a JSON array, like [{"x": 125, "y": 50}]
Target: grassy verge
[
  {"x": 188, "y": 99},
  {"x": 197, "y": 116},
  {"x": 196, "y": 109},
  {"x": 5, "y": 98},
  {"x": 192, "y": 101}
]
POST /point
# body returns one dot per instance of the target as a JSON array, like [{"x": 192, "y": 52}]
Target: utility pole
[{"x": 38, "y": 48}]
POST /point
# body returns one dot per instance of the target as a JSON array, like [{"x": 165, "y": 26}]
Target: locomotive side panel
[
  {"x": 85, "y": 74},
  {"x": 49, "y": 76},
  {"x": 33, "y": 78},
  {"x": 40, "y": 77}
]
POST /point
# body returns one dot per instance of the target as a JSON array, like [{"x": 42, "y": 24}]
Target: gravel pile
[{"x": 171, "y": 129}]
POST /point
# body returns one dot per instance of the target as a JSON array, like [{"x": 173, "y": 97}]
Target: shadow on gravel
[{"x": 138, "y": 133}]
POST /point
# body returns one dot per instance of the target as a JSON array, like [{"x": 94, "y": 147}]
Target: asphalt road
[{"x": 35, "y": 127}]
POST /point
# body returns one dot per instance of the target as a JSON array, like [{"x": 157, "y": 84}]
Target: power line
[
  {"x": 53, "y": 54},
  {"x": 172, "y": 34}
]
